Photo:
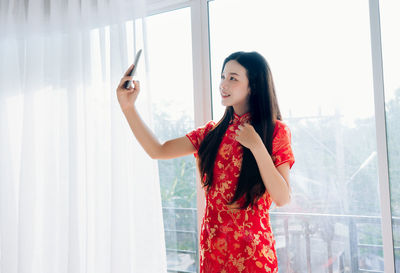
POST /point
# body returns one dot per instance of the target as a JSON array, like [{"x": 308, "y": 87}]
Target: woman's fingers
[
  {"x": 137, "y": 85},
  {"x": 124, "y": 80},
  {"x": 239, "y": 129}
]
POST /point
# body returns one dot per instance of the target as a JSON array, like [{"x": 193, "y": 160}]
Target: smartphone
[{"x": 135, "y": 63}]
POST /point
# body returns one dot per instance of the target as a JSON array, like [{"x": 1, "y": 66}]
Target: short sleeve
[
  {"x": 196, "y": 136},
  {"x": 281, "y": 145}
]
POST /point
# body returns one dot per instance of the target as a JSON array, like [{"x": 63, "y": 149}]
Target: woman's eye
[{"x": 233, "y": 79}]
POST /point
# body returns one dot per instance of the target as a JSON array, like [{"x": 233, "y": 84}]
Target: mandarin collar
[{"x": 241, "y": 119}]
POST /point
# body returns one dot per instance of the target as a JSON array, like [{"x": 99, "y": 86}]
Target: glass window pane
[
  {"x": 169, "y": 55},
  {"x": 320, "y": 57},
  {"x": 390, "y": 24}
]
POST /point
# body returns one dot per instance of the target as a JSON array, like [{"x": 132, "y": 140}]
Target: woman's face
[{"x": 234, "y": 87}]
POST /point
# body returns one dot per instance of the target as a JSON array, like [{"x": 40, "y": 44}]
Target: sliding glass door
[
  {"x": 170, "y": 82},
  {"x": 319, "y": 53}
]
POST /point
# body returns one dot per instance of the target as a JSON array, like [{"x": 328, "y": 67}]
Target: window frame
[
  {"x": 201, "y": 71},
  {"x": 381, "y": 137}
]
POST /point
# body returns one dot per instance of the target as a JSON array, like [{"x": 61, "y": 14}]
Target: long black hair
[{"x": 264, "y": 111}]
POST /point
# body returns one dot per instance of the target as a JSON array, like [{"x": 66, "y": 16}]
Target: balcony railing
[
  {"x": 181, "y": 235},
  {"x": 305, "y": 242}
]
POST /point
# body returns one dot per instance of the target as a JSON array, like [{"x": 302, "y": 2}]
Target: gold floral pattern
[{"x": 234, "y": 240}]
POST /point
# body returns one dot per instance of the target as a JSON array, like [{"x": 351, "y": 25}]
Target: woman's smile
[{"x": 225, "y": 95}]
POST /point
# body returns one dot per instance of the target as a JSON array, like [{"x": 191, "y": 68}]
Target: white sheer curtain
[{"x": 77, "y": 193}]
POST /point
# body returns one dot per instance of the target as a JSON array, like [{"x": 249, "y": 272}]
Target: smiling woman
[
  {"x": 333, "y": 222},
  {"x": 244, "y": 164},
  {"x": 244, "y": 160}
]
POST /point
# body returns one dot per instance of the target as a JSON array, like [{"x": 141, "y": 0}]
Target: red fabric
[{"x": 234, "y": 240}]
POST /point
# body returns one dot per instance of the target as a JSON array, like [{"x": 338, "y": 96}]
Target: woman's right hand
[{"x": 127, "y": 97}]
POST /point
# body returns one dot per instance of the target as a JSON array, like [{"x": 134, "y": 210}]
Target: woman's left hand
[{"x": 247, "y": 136}]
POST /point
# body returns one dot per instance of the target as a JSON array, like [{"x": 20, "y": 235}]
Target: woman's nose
[{"x": 222, "y": 85}]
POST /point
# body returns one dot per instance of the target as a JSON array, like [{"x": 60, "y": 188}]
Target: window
[
  {"x": 169, "y": 54},
  {"x": 322, "y": 71}
]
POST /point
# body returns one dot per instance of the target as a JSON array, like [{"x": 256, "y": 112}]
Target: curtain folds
[
  {"x": 77, "y": 192},
  {"x": 22, "y": 17}
]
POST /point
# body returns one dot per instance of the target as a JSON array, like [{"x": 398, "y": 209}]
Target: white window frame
[{"x": 381, "y": 134}]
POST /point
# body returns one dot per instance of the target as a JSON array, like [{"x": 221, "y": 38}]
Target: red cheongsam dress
[{"x": 234, "y": 240}]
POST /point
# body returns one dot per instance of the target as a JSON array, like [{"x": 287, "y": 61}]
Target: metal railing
[
  {"x": 343, "y": 231},
  {"x": 188, "y": 228},
  {"x": 306, "y": 242}
]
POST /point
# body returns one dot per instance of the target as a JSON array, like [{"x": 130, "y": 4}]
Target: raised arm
[{"x": 170, "y": 149}]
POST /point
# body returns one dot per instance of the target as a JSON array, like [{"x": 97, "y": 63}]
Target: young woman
[{"x": 244, "y": 161}]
